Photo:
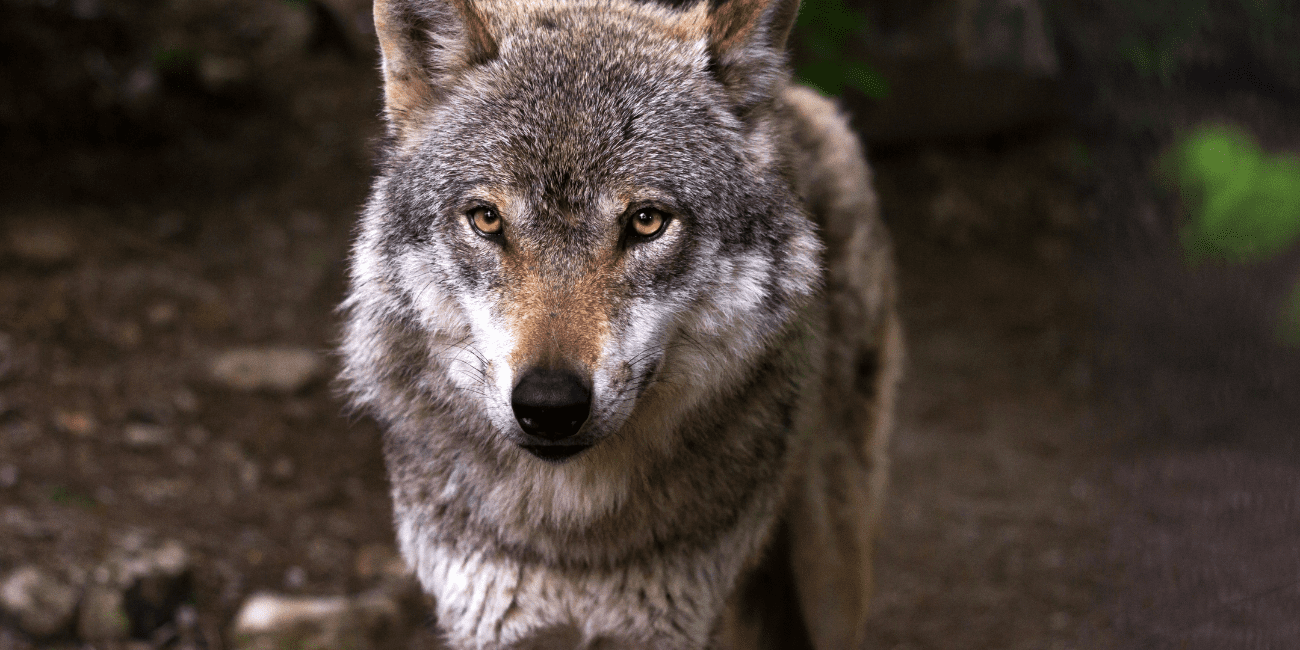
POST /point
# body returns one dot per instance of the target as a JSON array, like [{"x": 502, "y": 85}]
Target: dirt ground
[{"x": 1022, "y": 512}]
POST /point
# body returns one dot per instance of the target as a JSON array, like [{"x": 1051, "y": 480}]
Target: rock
[
  {"x": 41, "y": 603},
  {"x": 141, "y": 435},
  {"x": 77, "y": 423},
  {"x": 42, "y": 243},
  {"x": 151, "y": 580},
  {"x": 8, "y": 476},
  {"x": 162, "y": 314},
  {"x": 295, "y": 578},
  {"x": 282, "y": 469},
  {"x": 271, "y": 621},
  {"x": 224, "y": 74},
  {"x": 17, "y": 521},
  {"x": 102, "y": 615},
  {"x": 284, "y": 370}
]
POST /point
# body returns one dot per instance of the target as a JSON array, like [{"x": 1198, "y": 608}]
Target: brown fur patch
[{"x": 559, "y": 320}]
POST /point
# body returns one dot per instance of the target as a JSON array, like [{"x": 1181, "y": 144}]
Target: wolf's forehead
[{"x": 565, "y": 119}]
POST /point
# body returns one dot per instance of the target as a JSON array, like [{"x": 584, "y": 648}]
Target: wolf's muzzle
[{"x": 551, "y": 404}]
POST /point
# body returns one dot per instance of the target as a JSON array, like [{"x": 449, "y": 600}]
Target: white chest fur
[{"x": 488, "y": 602}]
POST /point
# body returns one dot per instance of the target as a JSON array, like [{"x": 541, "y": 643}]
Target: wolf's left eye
[
  {"x": 647, "y": 223},
  {"x": 485, "y": 220}
]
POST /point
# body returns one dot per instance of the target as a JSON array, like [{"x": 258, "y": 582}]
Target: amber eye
[
  {"x": 485, "y": 220},
  {"x": 648, "y": 222}
]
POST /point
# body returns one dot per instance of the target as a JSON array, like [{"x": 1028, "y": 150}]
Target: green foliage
[
  {"x": 1244, "y": 203},
  {"x": 824, "y": 27}
]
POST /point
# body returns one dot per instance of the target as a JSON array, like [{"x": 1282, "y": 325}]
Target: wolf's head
[{"x": 584, "y": 214}]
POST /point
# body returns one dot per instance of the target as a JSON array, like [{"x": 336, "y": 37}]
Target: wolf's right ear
[{"x": 425, "y": 44}]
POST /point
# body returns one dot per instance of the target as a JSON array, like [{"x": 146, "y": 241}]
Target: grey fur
[{"x": 743, "y": 371}]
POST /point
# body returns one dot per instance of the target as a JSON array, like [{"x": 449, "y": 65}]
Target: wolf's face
[{"x": 584, "y": 217}]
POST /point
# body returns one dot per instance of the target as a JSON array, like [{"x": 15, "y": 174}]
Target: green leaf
[{"x": 1245, "y": 204}]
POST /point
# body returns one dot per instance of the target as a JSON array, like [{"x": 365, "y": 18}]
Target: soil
[{"x": 1024, "y": 512}]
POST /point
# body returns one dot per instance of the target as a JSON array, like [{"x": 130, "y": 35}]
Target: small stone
[
  {"x": 162, "y": 314},
  {"x": 20, "y": 522},
  {"x": 223, "y": 74},
  {"x": 102, "y": 615},
  {"x": 42, "y": 243},
  {"x": 171, "y": 558},
  {"x": 141, "y": 435},
  {"x": 129, "y": 335},
  {"x": 295, "y": 578},
  {"x": 160, "y": 490},
  {"x": 77, "y": 423},
  {"x": 250, "y": 475},
  {"x": 41, "y": 603},
  {"x": 282, "y": 469},
  {"x": 284, "y": 370},
  {"x": 270, "y": 621}
]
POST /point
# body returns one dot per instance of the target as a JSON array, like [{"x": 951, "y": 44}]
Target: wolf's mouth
[{"x": 555, "y": 453}]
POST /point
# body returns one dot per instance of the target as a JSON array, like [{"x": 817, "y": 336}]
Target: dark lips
[{"x": 555, "y": 453}]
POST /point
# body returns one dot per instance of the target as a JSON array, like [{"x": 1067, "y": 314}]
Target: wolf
[{"x": 623, "y": 303}]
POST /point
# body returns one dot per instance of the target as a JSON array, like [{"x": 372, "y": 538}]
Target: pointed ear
[
  {"x": 425, "y": 44},
  {"x": 747, "y": 41}
]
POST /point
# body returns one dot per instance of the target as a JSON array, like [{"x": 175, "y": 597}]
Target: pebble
[
  {"x": 283, "y": 370},
  {"x": 42, "y": 243},
  {"x": 77, "y": 423},
  {"x": 42, "y": 604},
  {"x": 269, "y": 621},
  {"x": 282, "y": 469},
  {"x": 224, "y": 74},
  {"x": 295, "y": 578},
  {"x": 141, "y": 435}
]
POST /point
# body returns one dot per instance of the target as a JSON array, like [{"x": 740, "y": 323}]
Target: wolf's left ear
[
  {"x": 747, "y": 40},
  {"x": 426, "y": 44}
]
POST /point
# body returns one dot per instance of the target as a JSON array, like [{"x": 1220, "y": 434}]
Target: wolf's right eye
[{"x": 485, "y": 221}]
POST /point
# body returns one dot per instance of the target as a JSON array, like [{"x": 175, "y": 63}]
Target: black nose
[{"x": 551, "y": 404}]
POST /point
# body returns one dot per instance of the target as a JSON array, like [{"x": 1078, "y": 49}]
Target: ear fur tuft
[
  {"x": 747, "y": 40},
  {"x": 425, "y": 44}
]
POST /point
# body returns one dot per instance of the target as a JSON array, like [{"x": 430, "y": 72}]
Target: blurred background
[{"x": 1095, "y": 206}]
